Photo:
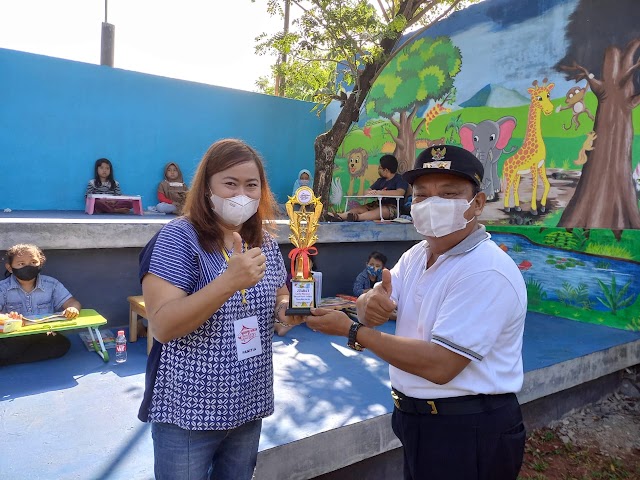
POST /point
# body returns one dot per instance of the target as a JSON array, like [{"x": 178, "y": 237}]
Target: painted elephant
[{"x": 486, "y": 141}]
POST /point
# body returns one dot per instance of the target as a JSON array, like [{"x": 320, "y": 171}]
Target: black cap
[{"x": 446, "y": 159}]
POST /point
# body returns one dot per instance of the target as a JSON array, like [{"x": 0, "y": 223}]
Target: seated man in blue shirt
[
  {"x": 26, "y": 292},
  {"x": 390, "y": 183}
]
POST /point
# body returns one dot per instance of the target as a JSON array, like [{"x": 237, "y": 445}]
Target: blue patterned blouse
[{"x": 200, "y": 384}]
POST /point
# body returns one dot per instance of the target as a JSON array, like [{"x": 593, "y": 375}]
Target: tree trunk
[
  {"x": 605, "y": 195},
  {"x": 327, "y": 144},
  {"x": 405, "y": 150}
]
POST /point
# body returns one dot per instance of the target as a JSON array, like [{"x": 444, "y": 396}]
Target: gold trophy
[{"x": 303, "y": 224}]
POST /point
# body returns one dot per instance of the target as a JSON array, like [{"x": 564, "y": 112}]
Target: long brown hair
[{"x": 222, "y": 155}]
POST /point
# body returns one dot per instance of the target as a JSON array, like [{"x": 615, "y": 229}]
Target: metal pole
[{"x": 107, "y": 40}]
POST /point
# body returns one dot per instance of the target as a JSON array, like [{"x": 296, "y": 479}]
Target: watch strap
[{"x": 353, "y": 334}]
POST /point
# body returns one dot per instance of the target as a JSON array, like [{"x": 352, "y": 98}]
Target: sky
[{"x": 207, "y": 41}]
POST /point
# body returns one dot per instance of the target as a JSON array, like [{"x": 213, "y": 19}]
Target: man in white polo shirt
[{"x": 456, "y": 357}]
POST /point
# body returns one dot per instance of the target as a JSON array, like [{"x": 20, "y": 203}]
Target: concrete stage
[{"x": 75, "y": 417}]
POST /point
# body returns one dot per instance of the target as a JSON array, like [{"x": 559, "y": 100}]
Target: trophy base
[{"x": 302, "y": 312}]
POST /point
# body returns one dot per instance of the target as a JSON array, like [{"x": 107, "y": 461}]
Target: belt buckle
[
  {"x": 396, "y": 399},
  {"x": 432, "y": 404}
]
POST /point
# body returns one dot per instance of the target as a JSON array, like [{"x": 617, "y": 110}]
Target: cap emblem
[
  {"x": 446, "y": 165},
  {"x": 438, "y": 153}
]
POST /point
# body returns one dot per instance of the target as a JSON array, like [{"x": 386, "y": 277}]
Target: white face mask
[
  {"x": 437, "y": 216},
  {"x": 304, "y": 183},
  {"x": 235, "y": 210}
]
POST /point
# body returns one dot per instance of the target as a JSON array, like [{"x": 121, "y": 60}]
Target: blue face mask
[{"x": 377, "y": 272}]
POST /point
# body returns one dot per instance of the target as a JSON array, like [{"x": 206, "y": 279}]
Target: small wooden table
[
  {"x": 88, "y": 318},
  {"x": 90, "y": 202},
  {"x": 137, "y": 308},
  {"x": 379, "y": 197}
]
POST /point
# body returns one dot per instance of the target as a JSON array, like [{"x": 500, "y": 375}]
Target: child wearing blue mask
[{"x": 371, "y": 274}]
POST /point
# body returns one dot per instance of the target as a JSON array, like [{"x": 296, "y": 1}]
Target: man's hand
[
  {"x": 245, "y": 269},
  {"x": 331, "y": 322},
  {"x": 378, "y": 305}
]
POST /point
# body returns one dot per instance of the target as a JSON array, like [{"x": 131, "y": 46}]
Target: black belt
[{"x": 465, "y": 405}]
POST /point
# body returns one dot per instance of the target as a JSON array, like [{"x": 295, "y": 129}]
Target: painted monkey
[{"x": 575, "y": 101}]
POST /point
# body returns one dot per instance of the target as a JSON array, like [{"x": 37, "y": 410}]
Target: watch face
[{"x": 304, "y": 195}]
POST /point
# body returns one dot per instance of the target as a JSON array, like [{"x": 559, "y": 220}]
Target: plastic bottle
[{"x": 121, "y": 347}]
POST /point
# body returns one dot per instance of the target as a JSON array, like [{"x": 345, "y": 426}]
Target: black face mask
[{"x": 27, "y": 273}]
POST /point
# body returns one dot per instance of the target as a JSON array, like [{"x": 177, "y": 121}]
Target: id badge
[{"x": 247, "y": 333}]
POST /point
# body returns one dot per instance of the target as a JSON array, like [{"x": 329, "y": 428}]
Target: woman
[{"x": 213, "y": 284}]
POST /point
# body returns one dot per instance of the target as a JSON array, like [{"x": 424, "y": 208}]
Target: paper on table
[{"x": 44, "y": 318}]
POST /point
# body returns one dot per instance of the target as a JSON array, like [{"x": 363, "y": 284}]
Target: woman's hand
[
  {"x": 331, "y": 322},
  {"x": 71, "y": 312},
  {"x": 245, "y": 269}
]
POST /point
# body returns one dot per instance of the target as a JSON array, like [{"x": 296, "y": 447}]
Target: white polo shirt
[{"x": 472, "y": 301}]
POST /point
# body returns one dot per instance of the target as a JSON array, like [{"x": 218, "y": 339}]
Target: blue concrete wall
[{"x": 57, "y": 117}]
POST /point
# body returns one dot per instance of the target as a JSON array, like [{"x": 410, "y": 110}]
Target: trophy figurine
[{"x": 304, "y": 210}]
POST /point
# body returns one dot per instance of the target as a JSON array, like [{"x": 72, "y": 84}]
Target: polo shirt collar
[{"x": 474, "y": 239}]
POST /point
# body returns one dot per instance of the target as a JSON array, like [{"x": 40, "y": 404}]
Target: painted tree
[
  {"x": 604, "y": 50},
  {"x": 421, "y": 72},
  {"x": 358, "y": 38}
]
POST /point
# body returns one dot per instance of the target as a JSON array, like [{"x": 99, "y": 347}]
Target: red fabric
[
  {"x": 164, "y": 199},
  {"x": 304, "y": 253}
]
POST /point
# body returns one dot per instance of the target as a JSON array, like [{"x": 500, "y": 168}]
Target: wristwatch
[
  {"x": 276, "y": 316},
  {"x": 353, "y": 333}
]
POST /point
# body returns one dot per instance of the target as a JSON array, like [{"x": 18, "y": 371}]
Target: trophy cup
[{"x": 303, "y": 224}]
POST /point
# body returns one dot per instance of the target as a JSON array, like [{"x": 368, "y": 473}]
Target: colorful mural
[
  {"x": 556, "y": 125},
  {"x": 550, "y": 154}
]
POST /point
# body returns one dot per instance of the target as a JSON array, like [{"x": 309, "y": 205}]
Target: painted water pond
[{"x": 572, "y": 278}]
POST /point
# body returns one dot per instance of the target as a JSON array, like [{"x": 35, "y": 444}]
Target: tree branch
[
  {"x": 596, "y": 85},
  {"x": 421, "y": 13},
  {"x": 422, "y": 122},
  {"x": 423, "y": 29},
  {"x": 630, "y": 52},
  {"x": 393, "y": 137},
  {"x": 384, "y": 11},
  {"x": 394, "y": 123},
  {"x": 412, "y": 114},
  {"x": 635, "y": 101}
]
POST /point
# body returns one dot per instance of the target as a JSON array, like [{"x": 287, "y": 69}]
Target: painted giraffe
[{"x": 530, "y": 157}]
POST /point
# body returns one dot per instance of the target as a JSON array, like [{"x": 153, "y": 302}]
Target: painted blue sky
[{"x": 495, "y": 38}]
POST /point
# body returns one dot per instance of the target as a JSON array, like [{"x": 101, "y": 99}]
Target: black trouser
[
  {"x": 32, "y": 348},
  {"x": 484, "y": 445}
]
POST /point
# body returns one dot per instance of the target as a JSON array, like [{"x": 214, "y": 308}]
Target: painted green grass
[{"x": 601, "y": 241}]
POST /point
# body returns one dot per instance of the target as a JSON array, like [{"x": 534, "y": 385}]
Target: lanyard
[{"x": 243, "y": 292}]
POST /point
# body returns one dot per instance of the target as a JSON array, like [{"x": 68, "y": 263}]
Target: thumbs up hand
[
  {"x": 245, "y": 269},
  {"x": 378, "y": 305}
]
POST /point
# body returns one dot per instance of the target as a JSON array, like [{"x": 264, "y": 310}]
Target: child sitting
[
  {"x": 26, "y": 292},
  {"x": 104, "y": 183},
  {"x": 389, "y": 184},
  {"x": 371, "y": 274},
  {"x": 172, "y": 191},
  {"x": 304, "y": 180}
]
